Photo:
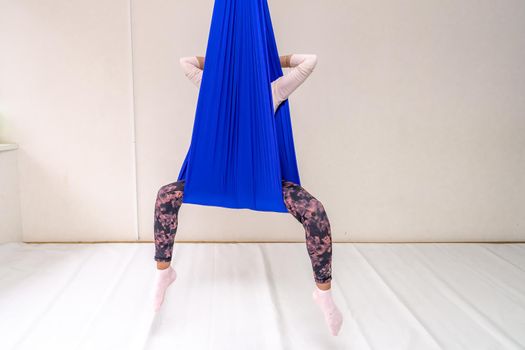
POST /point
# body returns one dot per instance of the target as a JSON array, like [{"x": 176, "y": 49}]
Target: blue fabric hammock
[{"x": 240, "y": 150}]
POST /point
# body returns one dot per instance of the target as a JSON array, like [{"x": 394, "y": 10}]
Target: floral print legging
[{"x": 302, "y": 205}]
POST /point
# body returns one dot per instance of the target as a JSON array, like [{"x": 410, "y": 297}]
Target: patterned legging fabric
[{"x": 302, "y": 205}]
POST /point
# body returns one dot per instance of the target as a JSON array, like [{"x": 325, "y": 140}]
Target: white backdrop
[{"x": 411, "y": 128}]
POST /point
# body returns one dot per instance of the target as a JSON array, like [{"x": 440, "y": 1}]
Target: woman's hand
[
  {"x": 192, "y": 61},
  {"x": 201, "y": 61},
  {"x": 285, "y": 61},
  {"x": 306, "y": 62},
  {"x": 302, "y": 65}
]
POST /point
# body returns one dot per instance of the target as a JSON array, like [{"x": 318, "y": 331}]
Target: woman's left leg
[
  {"x": 309, "y": 211},
  {"x": 167, "y": 205},
  {"x": 311, "y": 214}
]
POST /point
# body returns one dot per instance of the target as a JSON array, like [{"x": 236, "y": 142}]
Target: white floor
[{"x": 258, "y": 296}]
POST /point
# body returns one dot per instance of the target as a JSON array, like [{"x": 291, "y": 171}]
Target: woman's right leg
[{"x": 167, "y": 205}]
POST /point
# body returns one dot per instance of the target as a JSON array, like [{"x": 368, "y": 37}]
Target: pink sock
[
  {"x": 163, "y": 279},
  {"x": 332, "y": 315}
]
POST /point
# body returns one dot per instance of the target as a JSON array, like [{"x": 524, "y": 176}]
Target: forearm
[
  {"x": 193, "y": 68},
  {"x": 303, "y": 63},
  {"x": 301, "y": 67}
]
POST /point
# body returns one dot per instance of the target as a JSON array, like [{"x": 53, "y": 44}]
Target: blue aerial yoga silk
[{"x": 240, "y": 150}]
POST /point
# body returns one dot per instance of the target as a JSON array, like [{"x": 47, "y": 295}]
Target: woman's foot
[
  {"x": 163, "y": 279},
  {"x": 332, "y": 315}
]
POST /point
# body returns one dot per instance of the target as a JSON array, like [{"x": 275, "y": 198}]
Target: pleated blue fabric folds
[{"x": 240, "y": 150}]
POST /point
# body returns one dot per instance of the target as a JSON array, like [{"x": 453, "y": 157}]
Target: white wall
[
  {"x": 410, "y": 129},
  {"x": 10, "y": 219},
  {"x": 66, "y": 92}
]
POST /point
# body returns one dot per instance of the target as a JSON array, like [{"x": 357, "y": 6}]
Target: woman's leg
[
  {"x": 167, "y": 205},
  {"x": 311, "y": 214}
]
